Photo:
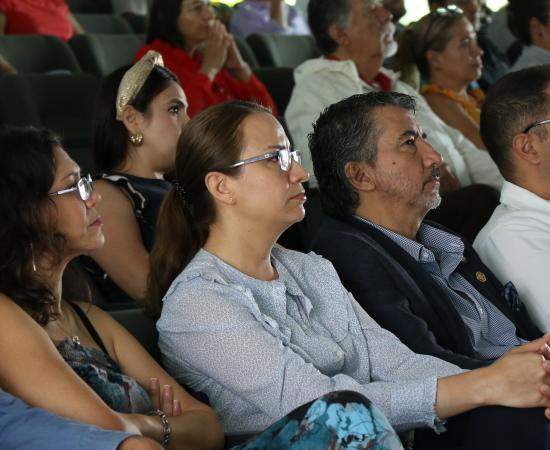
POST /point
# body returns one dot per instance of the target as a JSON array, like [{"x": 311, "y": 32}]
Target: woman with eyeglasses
[
  {"x": 261, "y": 329},
  {"x": 529, "y": 21},
  {"x": 439, "y": 54},
  {"x": 59, "y": 354},
  {"x": 73, "y": 359},
  {"x": 204, "y": 56},
  {"x": 139, "y": 115}
]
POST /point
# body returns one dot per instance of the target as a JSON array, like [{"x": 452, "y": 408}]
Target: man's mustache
[{"x": 434, "y": 174}]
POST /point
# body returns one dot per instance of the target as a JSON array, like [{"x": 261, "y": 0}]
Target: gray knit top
[{"x": 259, "y": 349}]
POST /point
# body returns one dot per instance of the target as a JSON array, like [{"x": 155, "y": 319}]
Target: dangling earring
[
  {"x": 32, "y": 259},
  {"x": 137, "y": 138}
]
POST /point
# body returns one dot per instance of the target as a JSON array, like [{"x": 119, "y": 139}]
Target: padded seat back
[
  {"x": 246, "y": 52},
  {"x": 279, "y": 50},
  {"x": 90, "y": 6},
  {"x": 103, "y": 24},
  {"x": 38, "y": 54},
  {"x": 142, "y": 327},
  {"x": 63, "y": 103},
  {"x": 279, "y": 82},
  {"x": 100, "y": 54}
]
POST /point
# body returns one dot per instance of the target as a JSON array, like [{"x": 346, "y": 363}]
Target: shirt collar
[
  {"x": 519, "y": 198},
  {"x": 382, "y": 82},
  {"x": 433, "y": 245}
]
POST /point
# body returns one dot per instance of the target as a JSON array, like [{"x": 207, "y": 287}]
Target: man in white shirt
[
  {"x": 515, "y": 243},
  {"x": 355, "y": 36}
]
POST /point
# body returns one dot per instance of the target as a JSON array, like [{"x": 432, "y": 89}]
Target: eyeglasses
[
  {"x": 283, "y": 156},
  {"x": 536, "y": 124},
  {"x": 447, "y": 11},
  {"x": 84, "y": 187}
]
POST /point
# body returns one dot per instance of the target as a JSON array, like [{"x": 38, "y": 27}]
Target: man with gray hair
[
  {"x": 378, "y": 178},
  {"x": 355, "y": 36}
]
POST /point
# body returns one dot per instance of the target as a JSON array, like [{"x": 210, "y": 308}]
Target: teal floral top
[{"x": 121, "y": 392}]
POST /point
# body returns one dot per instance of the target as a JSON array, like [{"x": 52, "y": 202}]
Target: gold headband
[{"x": 134, "y": 79}]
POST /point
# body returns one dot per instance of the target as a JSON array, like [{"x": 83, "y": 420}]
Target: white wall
[{"x": 418, "y": 8}]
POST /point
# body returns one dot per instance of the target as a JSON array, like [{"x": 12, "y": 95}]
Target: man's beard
[{"x": 394, "y": 186}]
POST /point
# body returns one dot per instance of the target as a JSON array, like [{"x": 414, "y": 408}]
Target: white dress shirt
[
  {"x": 515, "y": 244},
  {"x": 531, "y": 56},
  {"x": 320, "y": 82}
]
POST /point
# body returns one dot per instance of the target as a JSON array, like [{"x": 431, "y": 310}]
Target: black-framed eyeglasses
[
  {"x": 283, "y": 156},
  {"x": 444, "y": 11},
  {"x": 536, "y": 124},
  {"x": 84, "y": 187}
]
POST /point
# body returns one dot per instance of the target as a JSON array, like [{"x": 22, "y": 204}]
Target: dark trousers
[{"x": 490, "y": 428}]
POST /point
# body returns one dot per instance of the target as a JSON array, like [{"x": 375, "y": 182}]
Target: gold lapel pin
[{"x": 481, "y": 277}]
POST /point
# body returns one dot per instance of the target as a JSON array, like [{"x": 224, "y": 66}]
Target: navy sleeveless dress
[{"x": 146, "y": 196}]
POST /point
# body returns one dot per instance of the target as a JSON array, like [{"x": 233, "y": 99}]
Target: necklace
[{"x": 471, "y": 102}]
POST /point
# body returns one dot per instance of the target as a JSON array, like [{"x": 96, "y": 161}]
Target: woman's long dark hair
[
  {"x": 27, "y": 172},
  {"x": 110, "y": 135},
  {"x": 163, "y": 23},
  {"x": 211, "y": 141},
  {"x": 520, "y": 13}
]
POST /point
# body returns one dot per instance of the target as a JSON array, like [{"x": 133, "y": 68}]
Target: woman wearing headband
[
  {"x": 205, "y": 58},
  {"x": 441, "y": 50},
  {"x": 139, "y": 116}
]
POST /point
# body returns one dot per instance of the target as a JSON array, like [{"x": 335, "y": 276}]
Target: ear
[
  {"x": 360, "y": 175},
  {"x": 433, "y": 58},
  {"x": 525, "y": 146},
  {"x": 338, "y": 35},
  {"x": 131, "y": 118},
  {"x": 536, "y": 29},
  {"x": 218, "y": 184}
]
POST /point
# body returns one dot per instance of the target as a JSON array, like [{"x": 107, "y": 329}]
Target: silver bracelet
[{"x": 166, "y": 431}]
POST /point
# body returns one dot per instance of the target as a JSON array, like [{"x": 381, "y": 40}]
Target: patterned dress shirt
[{"x": 492, "y": 334}]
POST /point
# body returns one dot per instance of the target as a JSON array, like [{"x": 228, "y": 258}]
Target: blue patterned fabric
[
  {"x": 340, "y": 420},
  {"x": 492, "y": 334},
  {"x": 103, "y": 375}
]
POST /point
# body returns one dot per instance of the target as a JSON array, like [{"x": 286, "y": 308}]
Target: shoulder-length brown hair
[
  {"x": 27, "y": 173},
  {"x": 431, "y": 32},
  {"x": 211, "y": 141}
]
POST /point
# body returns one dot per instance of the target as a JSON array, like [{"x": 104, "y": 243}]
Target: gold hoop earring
[{"x": 137, "y": 138}]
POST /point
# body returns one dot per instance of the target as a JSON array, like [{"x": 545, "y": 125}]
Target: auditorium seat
[
  {"x": 90, "y": 6},
  {"x": 246, "y": 52},
  {"x": 279, "y": 82},
  {"x": 38, "y": 54},
  {"x": 281, "y": 50},
  {"x": 62, "y": 102},
  {"x": 100, "y": 54},
  {"x": 141, "y": 327},
  {"x": 137, "y": 22},
  {"x": 103, "y": 23}
]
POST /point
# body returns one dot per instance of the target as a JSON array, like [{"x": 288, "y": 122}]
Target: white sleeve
[
  {"x": 522, "y": 255},
  {"x": 309, "y": 98}
]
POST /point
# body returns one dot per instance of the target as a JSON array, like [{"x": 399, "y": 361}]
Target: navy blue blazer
[{"x": 402, "y": 296}]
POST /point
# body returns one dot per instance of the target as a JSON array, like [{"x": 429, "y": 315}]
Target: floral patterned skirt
[{"x": 340, "y": 420}]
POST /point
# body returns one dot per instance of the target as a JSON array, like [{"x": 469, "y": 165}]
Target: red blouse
[
  {"x": 37, "y": 17},
  {"x": 200, "y": 91}
]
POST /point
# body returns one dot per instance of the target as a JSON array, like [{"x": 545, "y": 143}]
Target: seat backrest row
[
  {"x": 101, "y": 53},
  {"x": 98, "y": 54}
]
